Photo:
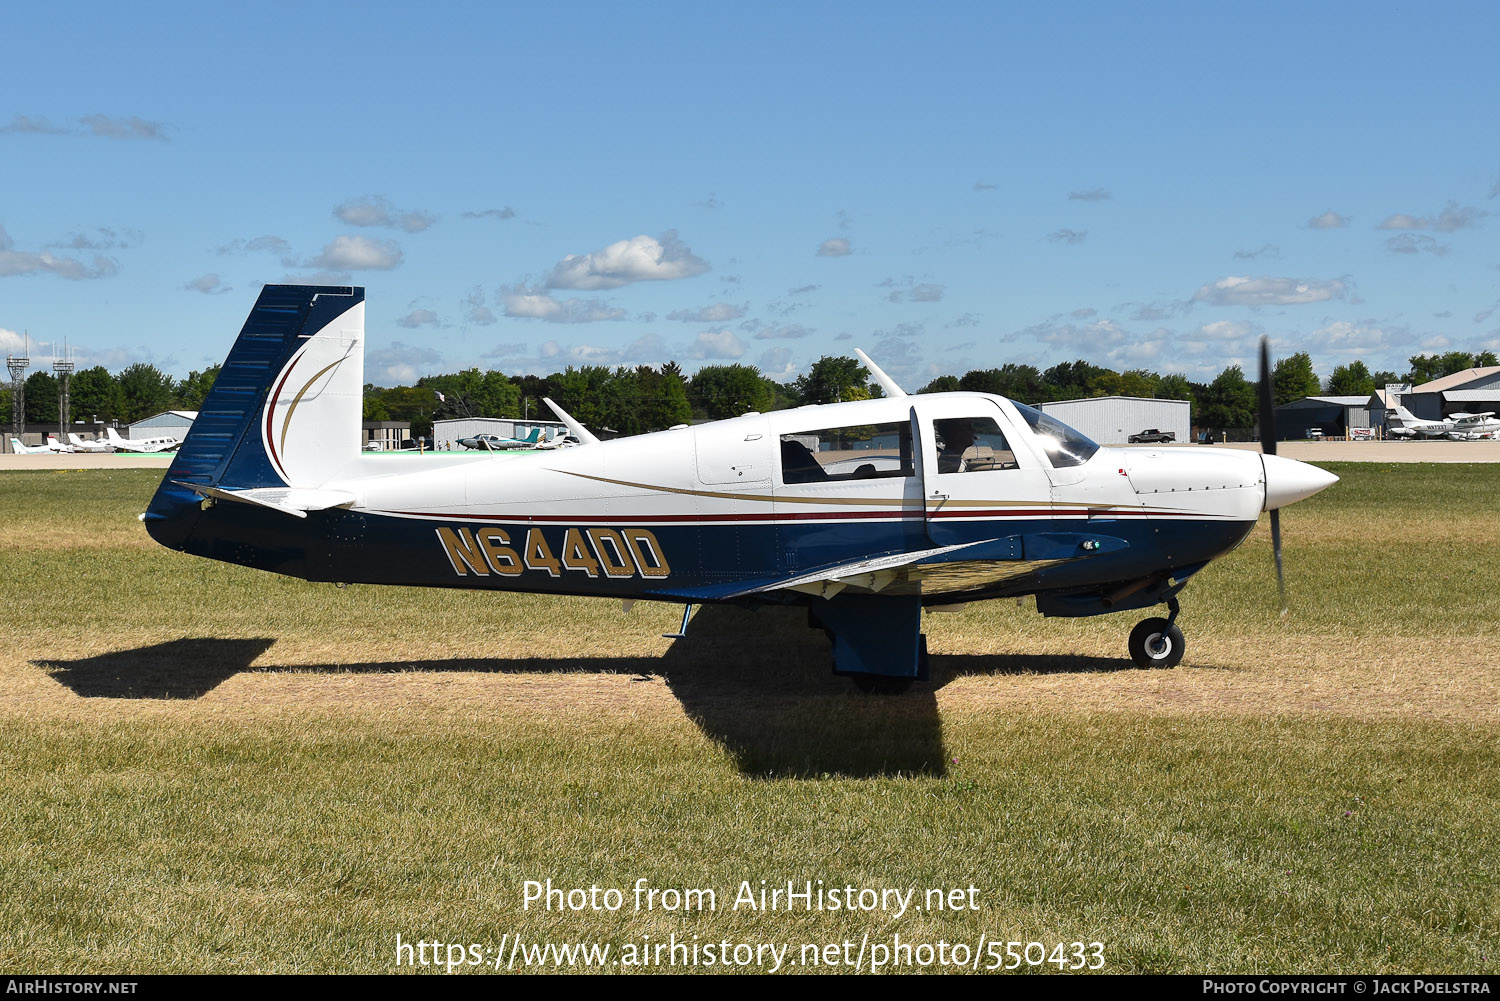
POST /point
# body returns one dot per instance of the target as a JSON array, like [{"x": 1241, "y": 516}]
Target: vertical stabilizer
[{"x": 285, "y": 409}]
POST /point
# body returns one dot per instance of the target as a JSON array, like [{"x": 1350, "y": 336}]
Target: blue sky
[{"x": 948, "y": 186}]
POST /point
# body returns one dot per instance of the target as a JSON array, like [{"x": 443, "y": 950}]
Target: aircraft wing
[
  {"x": 941, "y": 569},
  {"x": 288, "y": 500}
]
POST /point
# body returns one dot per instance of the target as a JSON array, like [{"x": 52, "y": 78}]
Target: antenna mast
[{"x": 17, "y": 367}]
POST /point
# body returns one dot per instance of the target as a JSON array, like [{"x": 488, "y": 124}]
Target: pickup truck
[{"x": 1152, "y": 435}]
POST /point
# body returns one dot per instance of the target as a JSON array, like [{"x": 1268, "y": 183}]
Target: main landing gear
[{"x": 1158, "y": 642}]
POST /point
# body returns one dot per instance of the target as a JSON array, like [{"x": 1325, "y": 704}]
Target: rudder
[{"x": 286, "y": 406}]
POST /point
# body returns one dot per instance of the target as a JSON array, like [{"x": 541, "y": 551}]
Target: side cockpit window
[
  {"x": 972, "y": 444},
  {"x": 862, "y": 452}
]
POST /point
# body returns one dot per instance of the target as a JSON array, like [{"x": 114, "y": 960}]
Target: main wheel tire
[
  {"x": 879, "y": 684},
  {"x": 1156, "y": 643}
]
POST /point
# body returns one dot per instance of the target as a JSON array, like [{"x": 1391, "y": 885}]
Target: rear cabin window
[{"x": 863, "y": 452}]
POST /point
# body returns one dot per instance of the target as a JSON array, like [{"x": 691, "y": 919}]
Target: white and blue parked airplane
[{"x": 865, "y": 512}]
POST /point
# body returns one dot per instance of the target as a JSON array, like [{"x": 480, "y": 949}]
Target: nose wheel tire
[{"x": 1156, "y": 643}]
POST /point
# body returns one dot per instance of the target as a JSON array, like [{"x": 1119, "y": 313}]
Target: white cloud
[
  {"x": 400, "y": 364},
  {"x": 26, "y": 124},
  {"x": 640, "y": 258},
  {"x": 1068, "y": 235},
  {"x": 357, "y": 253},
  {"x": 908, "y": 290},
  {"x": 1455, "y": 217},
  {"x": 317, "y": 278},
  {"x": 505, "y": 350},
  {"x": 777, "y": 364},
  {"x": 1225, "y": 330},
  {"x": 14, "y": 263},
  {"x": 1452, "y": 217},
  {"x": 1091, "y": 195},
  {"x": 1265, "y": 250},
  {"x": 836, "y": 246},
  {"x": 419, "y": 318},
  {"x": 1088, "y": 336},
  {"x": 106, "y": 239},
  {"x": 261, "y": 244},
  {"x": 478, "y": 312},
  {"x": 530, "y": 304},
  {"x": 719, "y": 312},
  {"x": 1345, "y": 340},
  {"x": 1151, "y": 312},
  {"x": 719, "y": 344},
  {"x": 209, "y": 284},
  {"x": 102, "y": 126},
  {"x": 790, "y": 332},
  {"x": 1415, "y": 243},
  {"x": 501, "y": 214},
  {"x": 1328, "y": 220},
  {"x": 901, "y": 359},
  {"x": 127, "y": 127},
  {"x": 374, "y": 210},
  {"x": 1242, "y": 291},
  {"x": 1402, "y": 221}
]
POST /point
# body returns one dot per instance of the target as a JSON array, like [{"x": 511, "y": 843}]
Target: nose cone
[{"x": 1288, "y": 481}]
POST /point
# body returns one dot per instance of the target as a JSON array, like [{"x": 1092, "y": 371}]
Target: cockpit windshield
[{"x": 1063, "y": 445}]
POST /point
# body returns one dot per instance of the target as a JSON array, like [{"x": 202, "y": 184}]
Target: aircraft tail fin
[{"x": 285, "y": 410}]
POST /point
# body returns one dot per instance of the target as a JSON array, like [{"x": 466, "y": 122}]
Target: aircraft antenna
[
  {"x": 583, "y": 434},
  {"x": 886, "y": 382}
]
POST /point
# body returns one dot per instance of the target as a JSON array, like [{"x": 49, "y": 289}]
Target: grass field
[{"x": 211, "y": 769}]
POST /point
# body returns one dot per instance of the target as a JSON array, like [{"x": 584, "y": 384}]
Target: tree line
[
  {"x": 645, "y": 398},
  {"x": 136, "y": 393},
  {"x": 633, "y": 400}
]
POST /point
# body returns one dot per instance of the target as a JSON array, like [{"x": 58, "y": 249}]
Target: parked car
[{"x": 1152, "y": 435}]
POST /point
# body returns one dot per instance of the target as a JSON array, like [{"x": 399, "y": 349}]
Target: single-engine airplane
[
  {"x": 84, "y": 445},
  {"x": 864, "y": 512},
  {"x": 1457, "y": 426},
  {"x": 496, "y": 443},
  {"x": 51, "y": 448},
  {"x": 146, "y": 446}
]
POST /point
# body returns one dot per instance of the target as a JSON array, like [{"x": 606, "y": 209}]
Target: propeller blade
[
  {"x": 1276, "y": 551},
  {"x": 1268, "y": 447},
  {"x": 1267, "y": 401}
]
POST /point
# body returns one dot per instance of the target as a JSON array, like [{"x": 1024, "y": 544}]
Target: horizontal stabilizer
[{"x": 288, "y": 500}]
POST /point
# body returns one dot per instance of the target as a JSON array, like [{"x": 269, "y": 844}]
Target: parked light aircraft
[
  {"x": 495, "y": 442},
  {"x": 165, "y": 443},
  {"x": 51, "y": 448},
  {"x": 973, "y": 497},
  {"x": 1459, "y": 426},
  {"x": 1470, "y": 427},
  {"x": 81, "y": 445}
]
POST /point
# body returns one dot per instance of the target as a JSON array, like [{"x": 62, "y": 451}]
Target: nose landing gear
[{"x": 1158, "y": 642}]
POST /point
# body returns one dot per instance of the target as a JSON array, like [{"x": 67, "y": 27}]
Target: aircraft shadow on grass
[{"x": 757, "y": 682}]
